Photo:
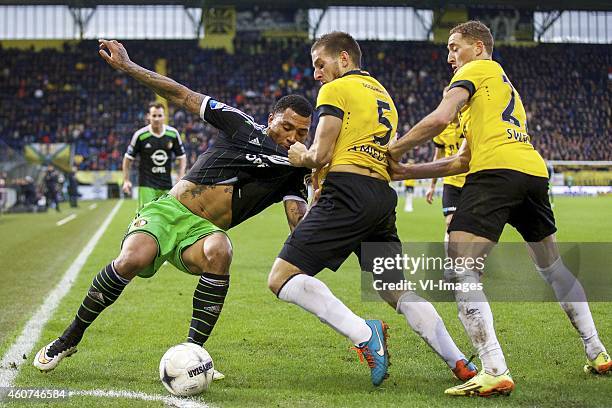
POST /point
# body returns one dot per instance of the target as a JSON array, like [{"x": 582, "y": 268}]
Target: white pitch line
[
  {"x": 13, "y": 359},
  {"x": 92, "y": 206},
  {"x": 66, "y": 220},
  {"x": 170, "y": 401}
]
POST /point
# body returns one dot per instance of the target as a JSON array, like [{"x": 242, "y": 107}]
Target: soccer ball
[{"x": 186, "y": 369}]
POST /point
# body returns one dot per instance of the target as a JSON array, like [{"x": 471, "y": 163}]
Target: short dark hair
[
  {"x": 297, "y": 103},
  {"x": 475, "y": 30},
  {"x": 157, "y": 105},
  {"x": 336, "y": 42}
]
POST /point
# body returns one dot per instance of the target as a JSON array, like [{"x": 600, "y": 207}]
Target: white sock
[
  {"x": 423, "y": 318},
  {"x": 446, "y": 243},
  {"x": 571, "y": 297},
  {"x": 408, "y": 204},
  {"x": 315, "y": 297},
  {"x": 477, "y": 318}
]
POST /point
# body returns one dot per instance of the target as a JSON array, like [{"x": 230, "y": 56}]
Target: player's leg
[
  {"x": 450, "y": 201},
  {"x": 485, "y": 204},
  {"x": 535, "y": 221},
  {"x": 424, "y": 320},
  {"x": 420, "y": 315},
  {"x": 477, "y": 318},
  {"x": 572, "y": 299},
  {"x": 292, "y": 285},
  {"x": 137, "y": 253},
  {"x": 210, "y": 258},
  {"x": 333, "y": 229}
]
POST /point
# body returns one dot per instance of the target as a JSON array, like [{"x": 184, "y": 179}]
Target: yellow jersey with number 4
[
  {"x": 369, "y": 120},
  {"x": 497, "y": 130},
  {"x": 450, "y": 141}
]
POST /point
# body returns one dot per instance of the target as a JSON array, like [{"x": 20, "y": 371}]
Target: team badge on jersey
[
  {"x": 216, "y": 105},
  {"x": 169, "y": 145},
  {"x": 139, "y": 223}
]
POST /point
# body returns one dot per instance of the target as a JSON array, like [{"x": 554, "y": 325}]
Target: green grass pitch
[{"x": 275, "y": 354}]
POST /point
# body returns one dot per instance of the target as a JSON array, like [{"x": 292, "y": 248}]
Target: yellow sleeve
[
  {"x": 330, "y": 101},
  {"x": 469, "y": 77},
  {"x": 438, "y": 142}
]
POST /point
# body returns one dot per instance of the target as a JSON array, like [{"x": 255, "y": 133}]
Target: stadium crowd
[{"x": 71, "y": 96}]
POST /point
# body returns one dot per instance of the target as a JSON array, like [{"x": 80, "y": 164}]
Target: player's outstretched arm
[
  {"x": 115, "y": 54},
  {"x": 448, "y": 166},
  {"x": 433, "y": 124}
]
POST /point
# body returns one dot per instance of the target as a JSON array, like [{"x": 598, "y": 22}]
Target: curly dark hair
[{"x": 297, "y": 103}]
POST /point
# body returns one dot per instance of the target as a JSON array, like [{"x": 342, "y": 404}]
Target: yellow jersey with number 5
[
  {"x": 369, "y": 120},
  {"x": 497, "y": 131}
]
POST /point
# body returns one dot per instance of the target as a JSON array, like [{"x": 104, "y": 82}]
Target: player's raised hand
[
  {"x": 114, "y": 53},
  {"x": 296, "y": 154}
]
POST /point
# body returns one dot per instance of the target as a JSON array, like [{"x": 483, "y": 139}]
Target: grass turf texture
[{"x": 275, "y": 354}]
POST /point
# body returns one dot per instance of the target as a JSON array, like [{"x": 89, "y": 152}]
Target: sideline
[{"x": 13, "y": 358}]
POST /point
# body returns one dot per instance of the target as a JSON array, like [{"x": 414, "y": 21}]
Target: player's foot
[
  {"x": 484, "y": 385},
  {"x": 464, "y": 370},
  {"x": 375, "y": 351},
  {"x": 217, "y": 375},
  {"x": 600, "y": 365},
  {"x": 50, "y": 356}
]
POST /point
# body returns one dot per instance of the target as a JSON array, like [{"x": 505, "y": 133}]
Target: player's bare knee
[
  {"x": 138, "y": 252},
  {"x": 280, "y": 273},
  {"x": 218, "y": 253},
  {"x": 273, "y": 282}
]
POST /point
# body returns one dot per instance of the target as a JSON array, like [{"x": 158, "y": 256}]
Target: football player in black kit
[{"x": 245, "y": 172}]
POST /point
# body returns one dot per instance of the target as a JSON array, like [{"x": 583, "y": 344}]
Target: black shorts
[
  {"x": 450, "y": 199},
  {"x": 492, "y": 198},
  {"x": 410, "y": 189},
  {"x": 352, "y": 209}
]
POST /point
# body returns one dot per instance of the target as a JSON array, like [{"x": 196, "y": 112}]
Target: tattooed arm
[
  {"x": 432, "y": 124},
  {"x": 115, "y": 55},
  {"x": 295, "y": 210}
]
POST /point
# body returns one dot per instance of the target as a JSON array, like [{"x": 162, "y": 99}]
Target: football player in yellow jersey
[
  {"x": 506, "y": 183},
  {"x": 356, "y": 120},
  {"x": 447, "y": 144}
]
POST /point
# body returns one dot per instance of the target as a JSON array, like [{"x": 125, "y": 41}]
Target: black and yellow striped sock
[
  {"x": 104, "y": 290},
  {"x": 208, "y": 301}
]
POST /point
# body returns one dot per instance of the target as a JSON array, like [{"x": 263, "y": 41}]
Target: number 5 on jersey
[{"x": 382, "y": 107}]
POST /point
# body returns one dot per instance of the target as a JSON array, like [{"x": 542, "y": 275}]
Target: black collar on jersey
[{"x": 356, "y": 72}]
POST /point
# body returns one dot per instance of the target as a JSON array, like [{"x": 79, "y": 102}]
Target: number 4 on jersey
[{"x": 507, "y": 113}]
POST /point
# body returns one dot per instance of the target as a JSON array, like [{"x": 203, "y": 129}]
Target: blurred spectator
[
  {"x": 27, "y": 193},
  {"x": 52, "y": 187},
  {"x": 3, "y": 195},
  {"x": 73, "y": 187}
]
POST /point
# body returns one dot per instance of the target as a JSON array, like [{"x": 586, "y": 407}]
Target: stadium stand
[{"x": 78, "y": 99}]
